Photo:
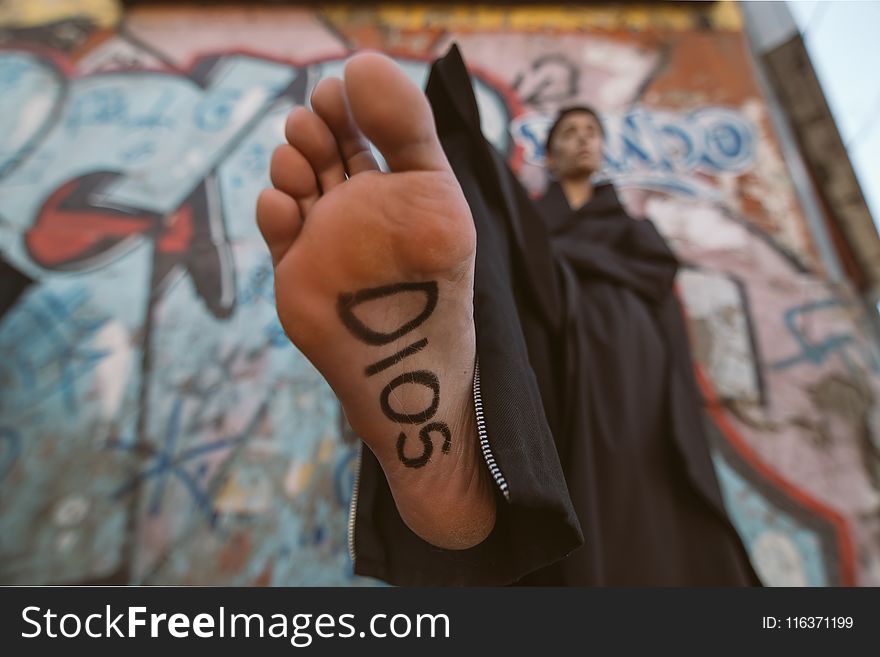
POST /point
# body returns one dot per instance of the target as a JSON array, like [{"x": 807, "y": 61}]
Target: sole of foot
[{"x": 374, "y": 285}]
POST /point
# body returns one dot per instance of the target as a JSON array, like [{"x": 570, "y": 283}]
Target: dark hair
[{"x": 565, "y": 111}]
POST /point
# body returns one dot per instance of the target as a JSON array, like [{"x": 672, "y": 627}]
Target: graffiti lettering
[{"x": 654, "y": 149}]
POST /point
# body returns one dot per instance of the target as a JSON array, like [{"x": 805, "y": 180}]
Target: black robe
[{"x": 586, "y": 384}]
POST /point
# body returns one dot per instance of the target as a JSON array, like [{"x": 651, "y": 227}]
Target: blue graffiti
[
  {"x": 710, "y": 139},
  {"x": 256, "y": 159},
  {"x": 32, "y": 87},
  {"x": 169, "y": 462},
  {"x": 49, "y": 333},
  {"x": 817, "y": 353},
  {"x": 110, "y": 107},
  {"x": 633, "y": 149},
  {"x": 212, "y": 114},
  {"x": 660, "y": 149},
  {"x": 161, "y": 133},
  {"x": 98, "y": 107},
  {"x": 680, "y": 142},
  {"x": 139, "y": 152},
  {"x": 728, "y": 144},
  {"x": 259, "y": 286},
  {"x": 275, "y": 335}
]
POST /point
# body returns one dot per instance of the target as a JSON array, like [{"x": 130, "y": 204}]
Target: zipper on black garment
[
  {"x": 352, "y": 510},
  {"x": 485, "y": 448}
]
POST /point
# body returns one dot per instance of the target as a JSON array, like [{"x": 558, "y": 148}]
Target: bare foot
[{"x": 374, "y": 284}]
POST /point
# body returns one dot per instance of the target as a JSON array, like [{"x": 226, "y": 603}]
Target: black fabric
[
  {"x": 637, "y": 459},
  {"x": 13, "y": 283},
  {"x": 537, "y": 525},
  {"x": 590, "y": 403}
]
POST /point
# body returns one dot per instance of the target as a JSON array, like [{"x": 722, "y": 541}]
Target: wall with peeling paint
[{"x": 156, "y": 424}]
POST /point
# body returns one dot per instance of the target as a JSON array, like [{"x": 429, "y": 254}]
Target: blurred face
[{"x": 576, "y": 149}]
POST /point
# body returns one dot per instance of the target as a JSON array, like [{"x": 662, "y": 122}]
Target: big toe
[{"x": 393, "y": 113}]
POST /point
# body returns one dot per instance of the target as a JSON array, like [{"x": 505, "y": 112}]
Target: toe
[
  {"x": 329, "y": 103},
  {"x": 292, "y": 174},
  {"x": 393, "y": 113},
  {"x": 308, "y": 133},
  {"x": 278, "y": 218}
]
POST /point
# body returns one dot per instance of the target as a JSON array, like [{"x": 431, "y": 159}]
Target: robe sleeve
[{"x": 515, "y": 320}]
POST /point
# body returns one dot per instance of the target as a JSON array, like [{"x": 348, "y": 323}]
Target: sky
[{"x": 843, "y": 40}]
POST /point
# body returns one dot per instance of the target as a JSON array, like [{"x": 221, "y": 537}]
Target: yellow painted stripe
[
  {"x": 29, "y": 13},
  {"x": 723, "y": 15}
]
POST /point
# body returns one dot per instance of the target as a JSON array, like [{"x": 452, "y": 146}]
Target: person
[
  {"x": 521, "y": 386},
  {"x": 573, "y": 152}
]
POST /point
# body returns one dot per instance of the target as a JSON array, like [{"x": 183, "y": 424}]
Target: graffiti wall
[{"x": 156, "y": 424}]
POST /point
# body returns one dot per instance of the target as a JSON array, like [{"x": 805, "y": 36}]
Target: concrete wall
[{"x": 156, "y": 424}]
